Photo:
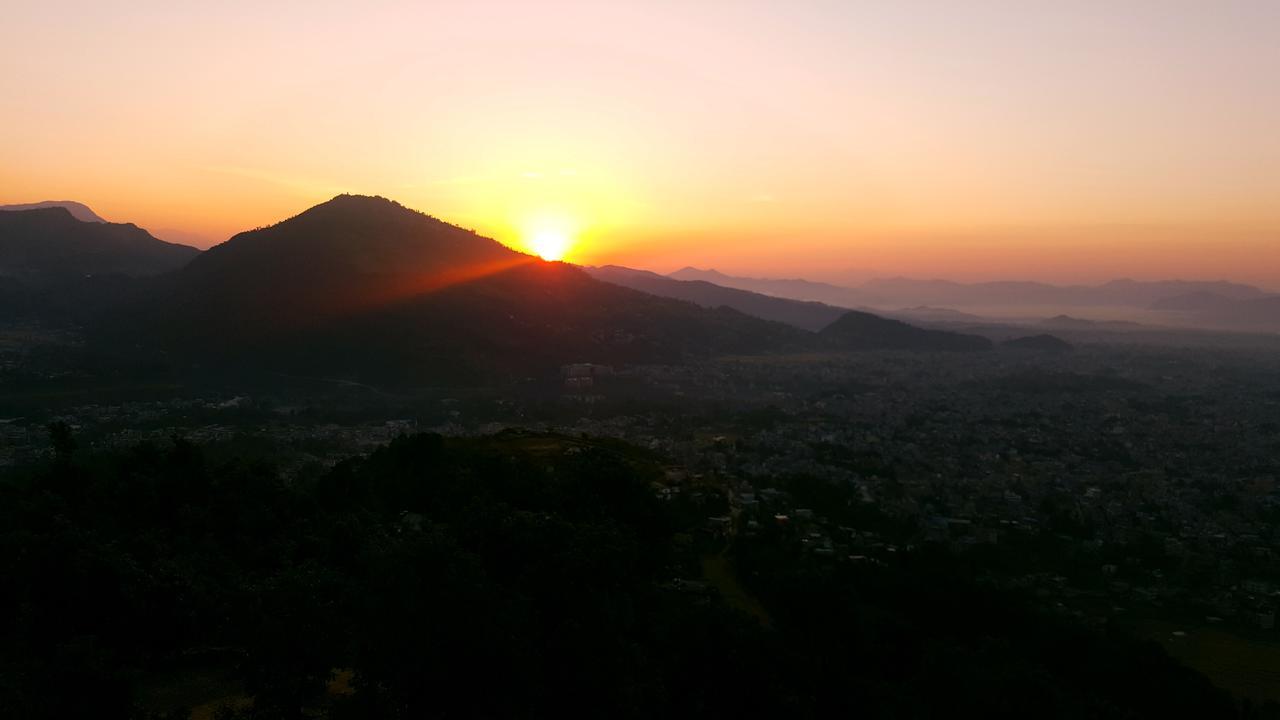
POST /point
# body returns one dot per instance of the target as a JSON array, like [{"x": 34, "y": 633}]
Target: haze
[{"x": 1063, "y": 142}]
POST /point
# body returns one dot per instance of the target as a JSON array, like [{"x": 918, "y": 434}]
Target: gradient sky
[{"x": 1034, "y": 139}]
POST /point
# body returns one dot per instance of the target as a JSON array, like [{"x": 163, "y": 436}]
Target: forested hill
[{"x": 516, "y": 575}]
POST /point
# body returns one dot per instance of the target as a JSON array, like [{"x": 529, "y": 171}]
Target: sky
[{"x": 1061, "y": 141}]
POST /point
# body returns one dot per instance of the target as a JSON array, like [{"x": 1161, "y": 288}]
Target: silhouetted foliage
[
  {"x": 509, "y": 576},
  {"x": 62, "y": 440}
]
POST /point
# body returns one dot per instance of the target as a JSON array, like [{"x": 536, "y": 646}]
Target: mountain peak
[
  {"x": 365, "y": 232},
  {"x": 345, "y": 255},
  {"x": 693, "y": 271},
  {"x": 360, "y": 209},
  {"x": 355, "y": 201}
]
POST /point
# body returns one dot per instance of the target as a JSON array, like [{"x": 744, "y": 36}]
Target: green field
[{"x": 1247, "y": 667}]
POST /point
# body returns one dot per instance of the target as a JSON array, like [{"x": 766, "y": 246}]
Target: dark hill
[
  {"x": 338, "y": 258},
  {"x": 1040, "y": 343},
  {"x": 864, "y": 331},
  {"x": 44, "y": 246},
  {"x": 362, "y": 286},
  {"x": 811, "y": 316}
]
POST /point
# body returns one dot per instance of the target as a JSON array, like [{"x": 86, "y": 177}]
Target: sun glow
[
  {"x": 549, "y": 234},
  {"x": 549, "y": 244}
]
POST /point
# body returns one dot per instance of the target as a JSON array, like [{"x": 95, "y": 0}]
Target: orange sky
[{"x": 1052, "y": 140}]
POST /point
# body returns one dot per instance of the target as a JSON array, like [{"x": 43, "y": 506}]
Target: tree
[{"x": 62, "y": 440}]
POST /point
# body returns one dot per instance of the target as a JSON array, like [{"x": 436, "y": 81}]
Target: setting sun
[
  {"x": 549, "y": 244},
  {"x": 550, "y": 233}
]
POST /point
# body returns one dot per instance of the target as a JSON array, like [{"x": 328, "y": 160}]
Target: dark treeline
[{"x": 510, "y": 576}]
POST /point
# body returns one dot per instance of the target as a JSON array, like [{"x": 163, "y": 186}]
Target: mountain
[
  {"x": 807, "y": 290},
  {"x": 883, "y": 294},
  {"x": 812, "y": 316},
  {"x": 364, "y": 287},
  {"x": 926, "y": 314},
  {"x": 1039, "y": 343},
  {"x": 1117, "y": 293},
  {"x": 79, "y": 211},
  {"x": 49, "y": 245},
  {"x": 1199, "y": 301},
  {"x": 864, "y": 331},
  {"x": 1067, "y": 322},
  {"x": 1135, "y": 293}
]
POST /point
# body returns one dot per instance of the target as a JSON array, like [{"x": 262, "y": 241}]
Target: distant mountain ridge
[
  {"x": 1122, "y": 293},
  {"x": 49, "y": 245},
  {"x": 808, "y": 315},
  {"x": 78, "y": 210},
  {"x": 886, "y": 293},
  {"x": 1067, "y": 322},
  {"x": 926, "y": 314},
  {"x": 795, "y": 289}
]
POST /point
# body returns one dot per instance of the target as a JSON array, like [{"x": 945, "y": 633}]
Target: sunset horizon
[
  {"x": 968, "y": 266},
  {"x": 640, "y": 359},
  {"x": 994, "y": 142}
]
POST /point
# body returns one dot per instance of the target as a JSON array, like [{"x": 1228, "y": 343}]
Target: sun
[
  {"x": 549, "y": 244},
  {"x": 549, "y": 233}
]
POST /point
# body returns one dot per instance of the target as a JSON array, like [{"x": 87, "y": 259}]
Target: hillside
[
  {"x": 364, "y": 287},
  {"x": 1067, "y": 322},
  {"x": 864, "y": 331},
  {"x": 518, "y": 575},
  {"x": 882, "y": 294},
  {"x": 49, "y": 245},
  {"x": 812, "y": 316},
  {"x": 795, "y": 289},
  {"x": 1039, "y": 343}
]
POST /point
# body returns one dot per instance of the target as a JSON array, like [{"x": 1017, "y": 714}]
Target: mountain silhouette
[
  {"x": 811, "y": 316},
  {"x": 362, "y": 286},
  {"x": 1039, "y": 343},
  {"x": 79, "y": 211},
  {"x": 1068, "y": 322},
  {"x": 883, "y": 294},
  {"x": 1118, "y": 293},
  {"x": 795, "y": 289},
  {"x": 49, "y": 245},
  {"x": 864, "y": 331},
  {"x": 926, "y": 314}
]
